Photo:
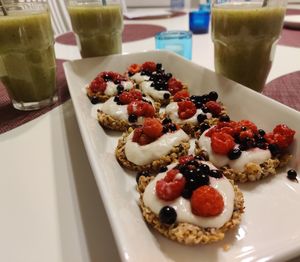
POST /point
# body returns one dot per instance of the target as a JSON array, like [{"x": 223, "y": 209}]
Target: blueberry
[
  {"x": 243, "y": 128},
  {"x": 205, "y": 109},
  {"x": 204, "y": 126},
  {"x": 224, "y": 118},
  {"x": 167, "y": 215},
  {"x": 172, "y": 127},
  {"x": 132, "y": 118},
  {"x": 196, "y": 180},
  {"x": 130, "y": 74},
  {"x": 187, "y": 193},
  {"x": 261, "y": 145},
  {"x": 213, "y": 95},
  {"x": 216, "y": 173},
  {"x": 166, "y": 95},
  {"x": 193, "y": 162},
  {"x": 199, "y": 157},
  {"x": 94, "y": 100},
  {"x": 274, "y": 149},
  {"x": 198, "y": 104},
  {"x": 116, "y": 99},
  {"x": 167, "y": 120},
  {"x": 116, "y": 82},
  {"x": 165, "y": 129},
  {"x": 234, "y": 153},
  {"x": 204, "y": 169},
  {"x": 142, "y": 173},
  {"x": 292, "y": 174},
  {"x": 243, "y": 147},
  {"x": 261, "y": 132},
  {"x": 163, "y": 169},
  {"x": 158, "y": 66},
  {"x": 168, "y": 75},
  {"x": 201, "y": 117},
  {"x": 120, "y": 88}
]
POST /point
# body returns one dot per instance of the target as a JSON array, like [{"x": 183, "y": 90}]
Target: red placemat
[
  {"x": 290, "y": 37},
  {"x": 132, "y": 32},
  {"x": 285, "y": 89},
  {"x": 11, "y": 117}
]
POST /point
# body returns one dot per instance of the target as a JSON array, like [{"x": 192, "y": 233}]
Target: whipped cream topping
[
  {"x": 138, "y": 78},
  {"x": 151, "y": 91},
  {"x": 110, "y": 107},
  {"x": 111, "y": 87},
  {"x": 172, "y": 111},
  {"x": 145, "y": 154},
  {"x": 253, "y": 155},
  {"x": 183, "y": 206}
]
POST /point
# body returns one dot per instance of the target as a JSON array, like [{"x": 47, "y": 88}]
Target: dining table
[{"x": 50, "y": 205}]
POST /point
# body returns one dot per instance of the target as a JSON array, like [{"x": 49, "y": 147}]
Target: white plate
[
  {"x": 292, "y": 21},
  {"x": 270, "y": 226}
]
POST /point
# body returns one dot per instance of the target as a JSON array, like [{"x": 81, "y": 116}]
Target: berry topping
[
  {"x": 149, "y": 66},
  {"x": 132, "y": 118},
  {"x": 140, "y": 138},
  {"x": 140, "y": 108},
  {"x": 201, "y": 118},
  {"x": 111, "y": 76},
  {"x": 98, "y": 85},
  {"x": 184, "y": 159},
  {"x": 186, "y": 109},
  {"x": 234, "y": 153},
  {"x": 142, "y": 173},
  {"x": 206, "y": 202},
  {"x": 216, "y": 173},
  {"x": 174, "y": 86},
  {"x": 222, "y": 143},
  {"x": 214, "y": 107},
  {"x": 224, "y": 118},
  {"x": 213, "y": 95},
  {"x": 134, "y": 68},
  {"x": 181, "y": 95},
  {"x": 94, "y": 100},
  {"x": 282, "y": 136},
  {"x": 152, "y": 127},
  {"x": 127, "y": 97},
  {"x": 171, "y": 186},
  {"x": 167, "y": 215}
]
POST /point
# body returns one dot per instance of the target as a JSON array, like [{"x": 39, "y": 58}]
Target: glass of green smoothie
[
  {"x": 97, "y": 25},
  {"x": 245, "y": 34},
  {"x": 27, "y": 59}
]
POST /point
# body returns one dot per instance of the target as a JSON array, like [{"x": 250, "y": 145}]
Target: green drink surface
[
  {"x": 98, "y": 28},
  {"x": 27, "y": 60},
  {"x": 245, "y": 37}
]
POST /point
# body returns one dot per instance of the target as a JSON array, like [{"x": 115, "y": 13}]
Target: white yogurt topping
[
  {"x": 183, "y": 206},
  {"x": 254, "y": 155},
  {"x": 142, "y": 155},
  {"x": 119, "y": 111},
  {"x": 138, "y": 78},
  {"x": 111, "y": 87},
  {"x": 147, "y": 89},
  {"x": 172, "y": 111}
]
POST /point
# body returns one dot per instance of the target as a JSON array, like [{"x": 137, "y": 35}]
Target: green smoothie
[
  {"x": 27, "y": 60},
  {"x": 98, "y": 28},
  {"x": 245, "y": 36}
]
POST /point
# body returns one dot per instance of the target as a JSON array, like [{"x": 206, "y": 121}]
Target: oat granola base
[
  {"x": 154, "y": 166},
  {"x": 110, "y": 122},
  {"x": 187, "y": 233},
  {"x": 252, "y": 171},
  {"x": 102, "y": 98}
]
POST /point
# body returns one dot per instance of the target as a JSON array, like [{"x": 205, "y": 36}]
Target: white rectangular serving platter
[{"x": 270, "y": 226}]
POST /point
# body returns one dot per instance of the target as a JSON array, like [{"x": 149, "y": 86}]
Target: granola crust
[
  {"x": 187, "y": 233},
  {"x": 252, "y": 171},
  {"x": 154, "y": 166},
  {"x": 102, "y": 98}
]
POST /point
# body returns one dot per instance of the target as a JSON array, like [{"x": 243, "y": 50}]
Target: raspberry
[
  {"x": 111, "y": 76},
  {"x": 127, "y": 97},
  {"x": 186, "y": 109},
  {"x": 282, "y": 136},
  {"x": 246, "y": 124},
  {"x": 152, "y": 128},
  {"x": 222, "y": 143},
  {"x": 184, "y": 159},
  {"x": 206, "y": 202},
  {"x": 134, "y": 68},
  {"x": 149, "y": 66},
  {"x": 285, "y": 131},
  {"x": 140, "y": 108},
  {"x": 214, "y": 107},
  {"x": 140, "y": 138},
  {"x": 174, "y": 86},
  {"x": 181, "y": 95},
  {"x": 171, "y": 186},
  {"x": 98, "y": 85},
  {"x": 224, "y": 127},
  {"x": 247, "y": 133}
]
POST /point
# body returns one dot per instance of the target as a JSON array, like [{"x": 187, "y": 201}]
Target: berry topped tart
[
  {"x": 154, "y": 81},
  {"x": 151, "y": 146},
  {"x": 128, "y": 109},
  {"x": 244, "y": 152},
  {"x": 106, "y": 85},
  {"x": 190, "y": 201},
  {"x": 194, "y": 113}
]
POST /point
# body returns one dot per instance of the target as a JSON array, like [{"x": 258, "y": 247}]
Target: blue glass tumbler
[
  {"x": 179, "y": 42},
  {"x": 199, "y": 21}
]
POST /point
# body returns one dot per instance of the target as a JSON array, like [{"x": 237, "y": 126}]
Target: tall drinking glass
[
  {"x": 27, "y": 59},
  {"x": 245, "y": 34},
  {"x": 98, "y": 27}
]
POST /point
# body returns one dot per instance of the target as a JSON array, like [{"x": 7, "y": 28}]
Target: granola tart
[
  {"x": 244, "y": 152},
  {"x": 128, "y": 109},
  {"x": 179, "y": 229},
  {"x": 151, "y": 146}
]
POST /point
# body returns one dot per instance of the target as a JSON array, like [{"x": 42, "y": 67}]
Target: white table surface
[{"x": 50, "y": 207}]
